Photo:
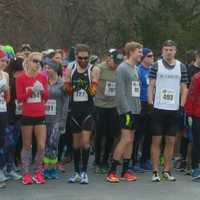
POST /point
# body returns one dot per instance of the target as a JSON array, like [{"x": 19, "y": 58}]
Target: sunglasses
[
  {"x": 83, "y": 58},
  {"x": 150, "y": 56},
  {"x": 36, "y": 61}
]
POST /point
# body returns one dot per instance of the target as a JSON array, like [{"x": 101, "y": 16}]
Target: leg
[
  {"x": 155, "y": 152},
  {"x": 168, "y": 152},
  {"x": 77, "y": 151},
  {"x": 40, "y": 134},
  {"x": 26, "y": 153}
]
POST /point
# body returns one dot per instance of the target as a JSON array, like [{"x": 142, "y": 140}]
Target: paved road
[{"x": 98, "y": 189}]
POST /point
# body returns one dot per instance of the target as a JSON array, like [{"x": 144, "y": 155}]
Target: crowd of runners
[{"x": 129, "y": 109}]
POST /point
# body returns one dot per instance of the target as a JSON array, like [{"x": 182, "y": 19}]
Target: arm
[
  {"x": 120, "y": 90},
  {"x": 150, "y": 91},
  {"x": 68, "y": 83},
  {"x": 184, "y": 94},
  {"x": 22, "y": 93},
  {"x": 45, "y": 93}
]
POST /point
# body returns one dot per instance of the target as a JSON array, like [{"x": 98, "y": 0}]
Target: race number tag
[
  {"x": 147, "y": 80},
  {"x": 18, "y": 105},
  {"x": 3, "y": 106},
  {"x": 167, "y": 96},
  {"x": 135, "y": 89},
  {"x": 80, "y": 96},
  {"x": 110, "y": 89},
  {"x": 35, "y": 98},
  {"x": 50, "y": 107}
]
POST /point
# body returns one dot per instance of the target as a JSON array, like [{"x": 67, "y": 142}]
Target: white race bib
[
  {"x": 80, "y": 96},
  {"x": 50, "y": 107},
  {"x": 135, "y": 89},
  {"x": 110, "y": 89},
  {"x": 18, "y": 110},
  {"x": 167, "y": 96},
  {"x": 3, "y": 106},
  {"x": 147, "y": 80},
  {"x": 35, "y": 98}
]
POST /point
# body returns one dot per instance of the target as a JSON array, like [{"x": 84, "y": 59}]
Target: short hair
[
  {"x": 132, "y": 46},
  {"x": 169, "y": 43},
  {"x": 82, "y": 48}
]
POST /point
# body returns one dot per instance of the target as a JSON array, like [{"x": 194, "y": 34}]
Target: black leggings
[
  {"x": 107, "y": 129},
  {"x": 196, "y": 142}
]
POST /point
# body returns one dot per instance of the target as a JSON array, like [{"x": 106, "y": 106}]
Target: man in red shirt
[{"x": 192, "y": 108}]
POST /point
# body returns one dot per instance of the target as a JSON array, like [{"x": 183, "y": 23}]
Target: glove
[
  {"x": 128, "y": 120},
  {"x": 3, "y": 85},
  {"x": 190, "y": 121},
  {"x": 38, "y": 87},
  {"x": 68, "y": 87},
  {"x": 92, "y": 89}
]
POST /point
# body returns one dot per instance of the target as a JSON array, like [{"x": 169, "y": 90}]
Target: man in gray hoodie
[{"x": 128, "y": 106}]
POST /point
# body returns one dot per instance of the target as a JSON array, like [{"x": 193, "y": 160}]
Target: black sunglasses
[
  {"x": 36, "y": 61},
  {"x": 83, "y": 58}
]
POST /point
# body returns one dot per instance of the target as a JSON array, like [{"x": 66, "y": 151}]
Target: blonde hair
[
  {"x": 132, "y": 46},
  {"x": 27, "y": 61}
]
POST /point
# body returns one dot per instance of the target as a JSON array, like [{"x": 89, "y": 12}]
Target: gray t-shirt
[
  {"x": 57, "y": 94},
  {"x": 126, "y": 98}
]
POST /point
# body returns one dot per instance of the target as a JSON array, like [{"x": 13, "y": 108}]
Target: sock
[
  {"x": 85, "y": 158},
  {"x": 114, "y": 165},
  {"x": 125, "y": 165},
  {"x": 26, "y": 158},
  {"x": 77, "y": 157}
]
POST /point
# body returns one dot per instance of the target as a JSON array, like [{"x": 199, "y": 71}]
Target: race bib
[
  {"x": 135, "y": 89},
  {"x": 18, "y": 109},
  {"x": 80, "y": 96},
  {"x": 3, "y": 106},
  {"x": 147, "y": 80},
  {"x": 35, "y": 98},
  {"x": 110, "y": 89},
  {"x": 167, "y": 96},
  {"x": 50, "y": 107}
]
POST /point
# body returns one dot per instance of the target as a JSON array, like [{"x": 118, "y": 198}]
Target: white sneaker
[
  {"x": 13, "y": 175},
  {"x": 155, "y": 177},
  {"x": 3, "y": 178},
  {"x": 2, "y": 185},
  {"x": 75, "y": 178},
  {"x": 84, "y": 178},
  {"x": 167, "y": 176}
]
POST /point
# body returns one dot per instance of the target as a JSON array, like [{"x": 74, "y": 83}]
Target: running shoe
[
  {"x": 104, "y": 169},
  {"x": 3, "y": 177},
  {"x": 13, "y": 175},
  {"x": 47, "y": 174},
  {"x": 27, "y": 179},
  {"x": 196, "y": 174},
  {"x": 128, "y": 176},
  {"x": 167, "y": 176},
  {"x": 2, "y": 185},
  {"x": 112, "y": 177},
  {"x": 38, "y": 177},
  {"x": 75, "y": 178},
  {"x": 84, "y": 178},
  {"x": 54, "y": 173},
  {"x": 155, "y": 177}
]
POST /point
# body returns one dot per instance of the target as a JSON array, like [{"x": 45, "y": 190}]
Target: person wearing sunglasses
[
  {"x": 32, "y": 92},
  {"x": 4, "y": 99},
  {"x": 81, "y": 83},
  {"x": 143, "y": 135}
]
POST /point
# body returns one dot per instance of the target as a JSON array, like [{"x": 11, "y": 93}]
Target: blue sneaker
[
  {"x": 54, "y": 174},
  {"x": 137, "y": 168},
  {"x": 196, "y": 174},
  {"x": 47, "y": 174},
  {"x": 147, "y": 166}
]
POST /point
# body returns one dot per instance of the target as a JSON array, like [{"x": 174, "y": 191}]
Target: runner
[
  {"x": 107, "y": 116},
  {"x": 32, "y": 92},
  {"x": 81, "y": 83},
  {"x": 56, "y": 114},
  {"x": 4, "y": 99},
  {"x": 168, "y": 78},
  {"x": 143, "y": 137},
  {"x": 128, "y": 105}
]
